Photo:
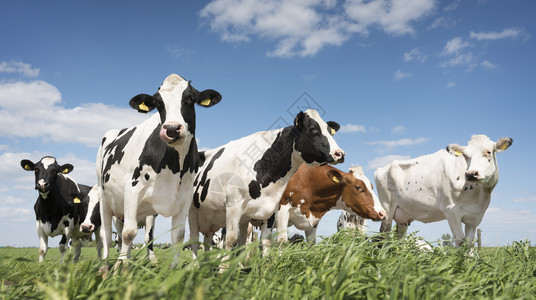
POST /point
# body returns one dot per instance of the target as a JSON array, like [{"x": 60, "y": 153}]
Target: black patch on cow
[
  {"x": 95, "y": 216},
  {"x": 310, "y": 142},
  {"x": 192, "y": 160},
  {"x": 122, "y": 131},
  {"x": 63, "y": 240},
  {"x": 103, "y": 140},
  {"x": 114, "y": 153},
  {"x": 205, "y": 190},
  {"x": 189, "y": 95},
  {"x": 147, "y": 176},
  {"x": 66, "y": 223},
  {"x": 271, "y": 221},
  {"x": 254, "y": 189},
  {"x": 200, "y": 182},
  {"x": 158, "y": 155}
]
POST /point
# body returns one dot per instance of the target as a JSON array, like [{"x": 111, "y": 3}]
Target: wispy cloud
[
  {"x": 302, "y": 28},
  {"x": 18, "y": 67},
  {"x": 379, "y": 162},
  {"x": 454, "y": 46},
  {"x": 352, "y": 128},
  {"x": 415, "y": 54},
  {"x": 450, "y": 84},
  {"x": 496, "y": 35},
  {"x": 401, "y": 142},
  {"x": 486, "y": 64},
  {"x": 525, "y": 199},
  {"x": 401, "y": 75},
  {"x": 398, "y": 130}
]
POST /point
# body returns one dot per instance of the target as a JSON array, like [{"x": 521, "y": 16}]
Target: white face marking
[
  {"x": 47, "y": 161},
  {"x": 302, "y": 201},
  {"x": 291, "y": 193},
  {"x": 171, "y": 92},
  {"x": 480, "y": 156}
]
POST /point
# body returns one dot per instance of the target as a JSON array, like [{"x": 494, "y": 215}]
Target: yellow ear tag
[
  {"x": 458, "y": 153},
  {"x": 143, "y": 107},
  {"x": 333, "y": 131},
  {"x": 335, "y": 179},
  {"x": 65, "y": 171},
  {"x": 27, "y": 167},
  {"x": 205, "y": 102},
  {"x": 504, "y": 146},
  {"x": 76, "y": 200}
]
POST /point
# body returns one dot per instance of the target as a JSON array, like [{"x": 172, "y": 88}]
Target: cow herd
[{"x": 155, "y": 168}]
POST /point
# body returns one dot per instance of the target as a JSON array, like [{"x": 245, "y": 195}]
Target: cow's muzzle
[
  {"x": 171, "y": 132},
  {"x": 42, "y": 186},
  {"x": 338, "y": 157},
  {"x": 471, "y": 175},
  {"x": 87, "y": 228}
]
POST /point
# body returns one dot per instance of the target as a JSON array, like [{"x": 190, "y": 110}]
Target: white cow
[
  {"x": 453, "y": 184},
  {"x": 141, "y": 170},
  {"x": 231, "y": 190}
]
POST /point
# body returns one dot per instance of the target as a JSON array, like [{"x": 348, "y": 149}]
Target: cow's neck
[
  {"x": 279, "y": 161},
  {"x": 326, "y": 201}
]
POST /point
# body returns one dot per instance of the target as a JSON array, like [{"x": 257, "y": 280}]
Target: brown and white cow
[{"x": 313, "y": 191}]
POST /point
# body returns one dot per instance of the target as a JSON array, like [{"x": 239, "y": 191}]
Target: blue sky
[{"x": 403, "y": 78}]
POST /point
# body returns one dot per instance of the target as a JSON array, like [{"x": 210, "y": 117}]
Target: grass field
[{"x": 343, "y": 266}]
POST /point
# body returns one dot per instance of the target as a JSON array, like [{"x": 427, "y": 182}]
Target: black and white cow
[
  {"x": 244, "y": 180},
  {"x": 141, "y": 169},
  {"x": 61, "y": 206}
]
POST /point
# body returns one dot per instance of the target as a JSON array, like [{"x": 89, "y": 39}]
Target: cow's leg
[
  {"x": 43, "y": 242},
  {"x": 63, "y": 246},
  {"x": 243, "y": 233},
  {"x": 77, "y": 245},
  {"x": 311, "y": 235},
  {"x": 119, "y": 233},
  {"x": 455, "y": 225},
  {"x": 266, "y": 238},
  {"x": 130, "y": 230},
  {"x": 149, "y": 238},
  {"x": 281, "y": 222},
  {"x": 106, "y": 227},
  {"x": 401, "y": 229},
  {"x": 193, "y": 222},
  {"x": 470, "y": 231},
  {"x": 98, "y": 243}
]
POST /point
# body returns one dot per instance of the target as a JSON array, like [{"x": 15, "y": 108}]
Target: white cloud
[
  {"x": 525, "y": 199},
  {"x": 401, "y": 75},
  {"x": 450, "y": 84},
  {"x": 304, "y": 27},
  {"x": 385, "y": 160},
  {"x": 49, "y": 120},
  {"x": 352, "y": 128},
  {"x": 415, "y": 54},
  {"x": 16, "y": 214},
  {"x": 452, "y": 5},
  {"x": 401, "y": 142},
  {"x": 11, "y": 200},
  {"x": 18, "y": 67},
  {"x": 520, "y": 218},
  {"x": 398, "y": 130},
  {"x": 494, "y": 35},
  {"x": 443, "y": 22},
  {"x": 486, "y": 64},
  {"x": 454, "y": 46}
]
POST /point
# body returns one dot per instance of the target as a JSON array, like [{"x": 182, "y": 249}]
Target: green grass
[{"x": 343, "y": 266}]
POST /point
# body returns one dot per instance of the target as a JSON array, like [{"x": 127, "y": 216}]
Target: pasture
[{"x": 342, "y": 266}]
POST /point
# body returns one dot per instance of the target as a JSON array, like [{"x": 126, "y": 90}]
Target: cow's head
[
  {"x": 92, "y": 220},
  {"x": 175, "y": 101},
  {"x": 357, "y": 193},
  {"x": 315, "y": 142},
  {"x": 46, "y": 172},
  {"x": 480, "y": 155}
]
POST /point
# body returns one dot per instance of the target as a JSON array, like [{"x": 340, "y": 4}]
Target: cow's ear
[
  {"x": 298, "y": 121},
  {"x": 503, "y": 144},
  {"x": 66, "y": 168},
  {"x": 455, "y": 149},
  {"x": 333, "y": 127},
  {"x": 335, "y": 176},
  {"x": 143, "y": 103},
  {"x": 27, "y": 165},
  {"x": 208, "y": 98}
]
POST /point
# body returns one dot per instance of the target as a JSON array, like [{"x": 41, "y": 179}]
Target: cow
[
  {"x": 453, "y": 184},
  {"x": 61, "y": 205},
  {"x": 147, "y": 222},
  {"x": 141, "y": 170},
  {"x": 313, "y": 191},
  {"x": 231, "y": 191},
  {"x": 351, "y": 221}
]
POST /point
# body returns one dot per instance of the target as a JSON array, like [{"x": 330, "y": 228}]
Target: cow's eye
[
  {"x": 358, "y": 188},
  {"x": 313, "y": 131}
]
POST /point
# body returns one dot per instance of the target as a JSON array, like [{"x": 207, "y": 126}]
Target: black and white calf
[
  {"x": 231, "y": 190},
  {"x": 61, "y": 206},
  {"x": 141, "y": 170}
]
